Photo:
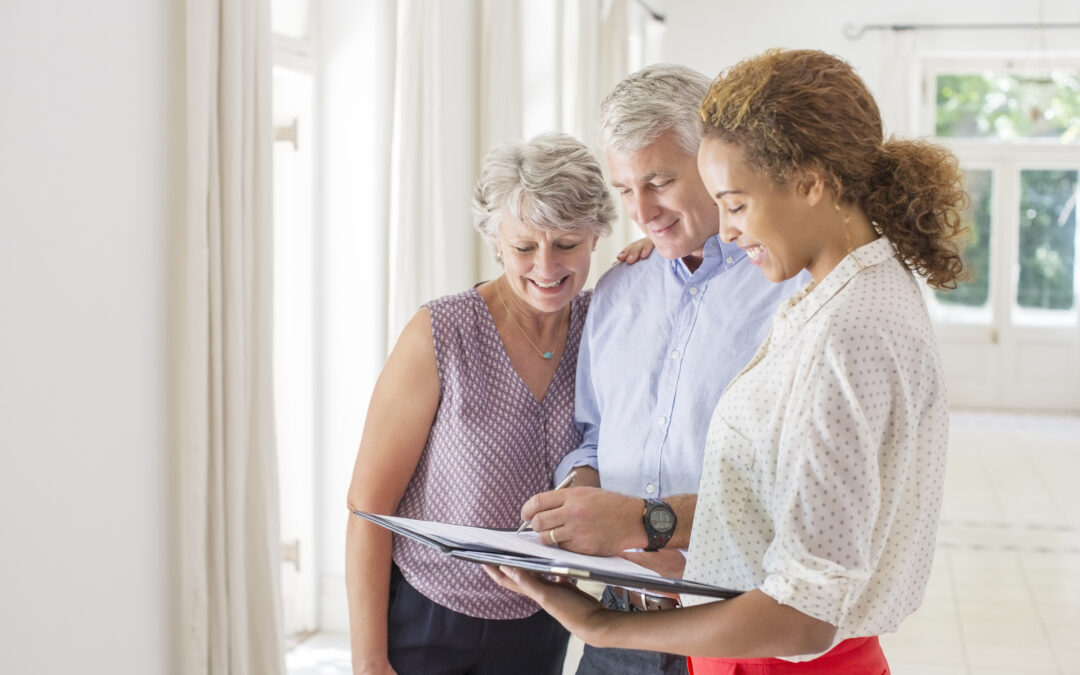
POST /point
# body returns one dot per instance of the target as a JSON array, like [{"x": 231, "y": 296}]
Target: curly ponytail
[
  {"x": 916, "y": 199},
  {"x": 792, "y": 110}
]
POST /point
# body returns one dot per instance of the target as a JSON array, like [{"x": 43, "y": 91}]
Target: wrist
[{"x": 658, "y": 521}]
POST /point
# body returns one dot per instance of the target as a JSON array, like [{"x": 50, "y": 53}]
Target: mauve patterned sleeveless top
[{"x": 491, "y": 447}]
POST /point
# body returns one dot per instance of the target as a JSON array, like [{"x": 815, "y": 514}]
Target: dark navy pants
[{"x": 428, "y": 639}]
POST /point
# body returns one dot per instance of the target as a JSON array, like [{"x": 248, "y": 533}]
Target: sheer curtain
[
  {"x": 594, "y": 40},
  {"x": 898, "y": 97},
  {"x": 432, "y": 122},
  {"x": 230, "y": 591}
]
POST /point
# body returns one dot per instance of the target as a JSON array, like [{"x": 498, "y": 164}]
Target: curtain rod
[
  {"x": 657, "y": 16},
  {"x": 853, "y": 32}
]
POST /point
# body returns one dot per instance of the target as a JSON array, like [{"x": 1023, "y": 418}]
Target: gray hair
[
  {"x": 552, "y": 182},
  {"x": 651, "y": 101}
]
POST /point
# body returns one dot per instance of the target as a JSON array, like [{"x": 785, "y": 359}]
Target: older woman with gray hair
[{"x": 471, "y": 414}]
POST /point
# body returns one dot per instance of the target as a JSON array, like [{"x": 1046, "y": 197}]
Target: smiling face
[
  {"x": 783, "y": 229},
  {"x": 544, "y": 268},
  {"x": 663, "y": 193}
]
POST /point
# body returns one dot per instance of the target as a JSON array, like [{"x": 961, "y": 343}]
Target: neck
[
  {"x": 538, "y": 322},
  {"x": 851, "y": 230}
]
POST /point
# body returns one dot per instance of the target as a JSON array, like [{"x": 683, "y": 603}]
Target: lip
[
  {"x": 755, "y": 252},
  {"x": 551, "y": 290},
  {"x": 663, "y": 231}
]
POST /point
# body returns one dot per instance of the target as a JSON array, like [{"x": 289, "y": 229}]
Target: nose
[
  {"x": 728, "y": 232},
  {"x": 642, "y": 207},
  {"x": 546, "y": 259}
]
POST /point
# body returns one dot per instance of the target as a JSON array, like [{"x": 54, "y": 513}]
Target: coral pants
[{"x": 855, "y": 656}]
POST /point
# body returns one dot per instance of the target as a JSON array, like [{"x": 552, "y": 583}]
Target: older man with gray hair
[{"x": 661, "y": 341}]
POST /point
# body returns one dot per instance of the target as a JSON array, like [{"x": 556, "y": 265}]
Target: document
[{"x": 525, "y": 550}]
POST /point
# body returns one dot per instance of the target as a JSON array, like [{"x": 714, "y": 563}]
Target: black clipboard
[{"x": 481, "y": 545}]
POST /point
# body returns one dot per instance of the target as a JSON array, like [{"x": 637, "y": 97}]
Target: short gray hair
[
  {"x": 651, "y": 101},
  {"x": 552, "y": 182}
]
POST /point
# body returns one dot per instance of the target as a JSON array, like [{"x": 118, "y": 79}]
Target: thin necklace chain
[{"x": 545, "y": 355}]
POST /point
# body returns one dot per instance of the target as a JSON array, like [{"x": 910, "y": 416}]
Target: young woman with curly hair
[{"x": 825, "y": 458}]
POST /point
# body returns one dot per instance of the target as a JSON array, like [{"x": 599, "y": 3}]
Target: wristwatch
[{"x": 659, "y": 520}]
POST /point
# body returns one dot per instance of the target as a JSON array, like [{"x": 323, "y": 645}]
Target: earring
[{"x": 848, "y": 248}]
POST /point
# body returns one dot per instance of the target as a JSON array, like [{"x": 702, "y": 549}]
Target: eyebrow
[
  {"x": 720, "y": 194},
  {"x": 647, "y": 177}
]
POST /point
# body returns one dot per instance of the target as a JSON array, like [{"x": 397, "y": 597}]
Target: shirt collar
[
  {"x": 800, "y": 307},
  {"x": 717, "y": 255}
]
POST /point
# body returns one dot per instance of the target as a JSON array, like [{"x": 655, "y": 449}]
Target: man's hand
[{"x": 587, "y": 520}]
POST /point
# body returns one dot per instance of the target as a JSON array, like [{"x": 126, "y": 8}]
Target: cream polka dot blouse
[{"x": 825, "y": 457}]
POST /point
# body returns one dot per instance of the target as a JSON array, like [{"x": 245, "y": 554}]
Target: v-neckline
[{"x": 506, "y": 354}]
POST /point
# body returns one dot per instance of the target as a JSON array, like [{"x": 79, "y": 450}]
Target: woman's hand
[
  {"x": 578, "y": 611},
  {"x": 638, "y": 250},
  {"x": 373, "y": 667}
]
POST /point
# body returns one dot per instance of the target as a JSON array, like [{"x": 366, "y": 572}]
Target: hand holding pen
[{"x": 566, "y": 482}]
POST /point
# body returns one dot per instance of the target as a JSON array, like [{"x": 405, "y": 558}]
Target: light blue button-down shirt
[{"x": 659, "y": 347}]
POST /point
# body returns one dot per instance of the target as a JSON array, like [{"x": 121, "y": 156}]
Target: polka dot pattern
[
  {"x": 825, "y": 458},
  {"x": 491, "y": 447}
]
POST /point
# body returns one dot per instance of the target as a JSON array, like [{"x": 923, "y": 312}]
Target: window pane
[
  {"x": 1009, "y": 105},
  {"x": 976, "y": 291},
  {"x": 1047, "y": 239}
]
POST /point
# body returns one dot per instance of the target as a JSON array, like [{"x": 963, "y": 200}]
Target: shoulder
[
  {"x": 621, "y": 278},
  {"x": 881, "y": 310},
  {"x": 465, "y": 299}
]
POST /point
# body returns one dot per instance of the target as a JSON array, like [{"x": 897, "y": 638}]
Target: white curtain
[
  {"x": 595, "y": 46},
  {"x": 229, "y": 535},
  {"x": 432, "y": 119},
  {"x": 898, "y": 96}
]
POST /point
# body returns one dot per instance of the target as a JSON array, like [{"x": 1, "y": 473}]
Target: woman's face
[
  {"x": 777, "y": 226},
  {"x": 544, "y": 268}
]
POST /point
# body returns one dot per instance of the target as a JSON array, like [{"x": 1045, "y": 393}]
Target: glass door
[{"x": 1010, "y": 335}]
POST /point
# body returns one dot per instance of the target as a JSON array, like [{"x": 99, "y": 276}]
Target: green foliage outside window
[
  {"x": 975, "y": 292},
  {"x": 1004, "y": 105},
  {"x": 1047, "y": 239}
]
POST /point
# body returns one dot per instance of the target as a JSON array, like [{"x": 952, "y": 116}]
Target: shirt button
[
  {"x": 675, "y": 354},
  {"x": 650, "y": 489},
  {"x": 693, "y": 290},
  {"x": 730, "y": 260},
  {"x": 661, "y": 420}
]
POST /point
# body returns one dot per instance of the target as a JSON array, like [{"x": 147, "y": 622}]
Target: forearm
[
  {"x": 684, "y": 507},
  {"x": 367, "y": 580},
  {"x": 633, "y": 527},
  {"x": 752, "y": 625},
  {"x": 586, "y": 476},
  {"x": 600, "y": 522}
]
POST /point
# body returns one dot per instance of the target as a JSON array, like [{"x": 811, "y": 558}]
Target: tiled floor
[{"x": 1004, "y": 596}]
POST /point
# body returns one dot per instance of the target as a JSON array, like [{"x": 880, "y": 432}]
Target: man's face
[{"x": 663, "y": 193}]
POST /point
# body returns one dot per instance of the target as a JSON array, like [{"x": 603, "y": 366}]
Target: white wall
[{"x": 89, "y": 120}]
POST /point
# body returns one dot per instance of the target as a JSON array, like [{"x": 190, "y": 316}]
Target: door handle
[{"x": 290, "y": 553}]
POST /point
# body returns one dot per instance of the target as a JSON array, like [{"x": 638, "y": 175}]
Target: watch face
[{"x": 662, "y": 520}]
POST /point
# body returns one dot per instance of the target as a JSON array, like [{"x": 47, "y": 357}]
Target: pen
[{"x": 565, "y": 483}]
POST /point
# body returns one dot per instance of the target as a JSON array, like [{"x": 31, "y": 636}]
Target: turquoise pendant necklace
[{"x": 549, "y": 354}]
